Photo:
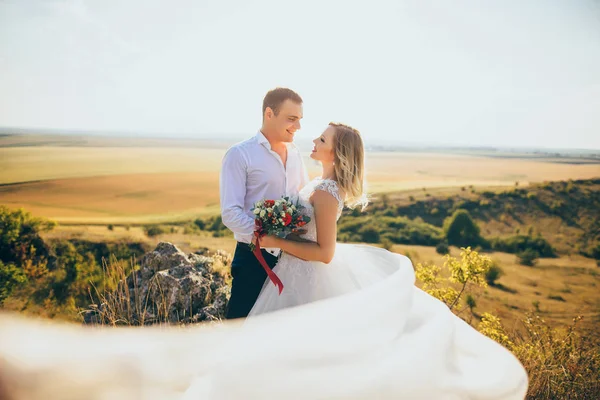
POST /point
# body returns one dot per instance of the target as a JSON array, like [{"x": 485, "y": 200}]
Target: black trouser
[{"x": 248, "y": 279}]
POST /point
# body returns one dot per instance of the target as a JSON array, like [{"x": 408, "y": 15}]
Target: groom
[{"x": 266, "y": 166}]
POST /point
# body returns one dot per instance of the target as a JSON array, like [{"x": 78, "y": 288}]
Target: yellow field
[{"x": 99, "y": 185}]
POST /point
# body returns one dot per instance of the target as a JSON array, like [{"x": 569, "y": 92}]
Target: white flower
[
  {"x": 262, "y": 213},
  {"x": 270, "y": 209},
  {"x": 281, "y": 220},
  {"x": 283, "y": 213},
  {"x": 293, "y": 207},
  {"x": 256, "y": 211}
]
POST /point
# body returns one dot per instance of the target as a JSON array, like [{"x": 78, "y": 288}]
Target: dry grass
[
  {"x": 120, "y": 198},
  {"x": 574, "y": 278},
  {"x": 101, "y": 185},
  {"x": 35, "y": 163}
]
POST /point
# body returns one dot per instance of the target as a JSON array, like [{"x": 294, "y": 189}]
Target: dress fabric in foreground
[{"x": 358, "y": 328}]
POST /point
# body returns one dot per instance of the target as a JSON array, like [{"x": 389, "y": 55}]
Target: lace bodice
[{"x": 326, "y": 185}]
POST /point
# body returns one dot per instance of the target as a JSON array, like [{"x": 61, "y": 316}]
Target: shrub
[
  {"x": 20, "y": 238},
  {"x": 493, "y": 274},
  {"x": 527, "y": 257},
  {"x": 461, "y": 230},
  {"x": 560, "y": 363},
  {"x": 520, "y": 243},
  {"x": 387, "y": 244},
  {"x": 155, "y": 230},
  {"x": 596, "y": 252},
  {"x": 10, "y": 278},
  {"x": 442, "y": 248},
  {"x": 466, "y": 272},
  {"x": 470, "y": 302},
  {"x": 200, "y": 224},
  {"x": 369, "y": 234}
]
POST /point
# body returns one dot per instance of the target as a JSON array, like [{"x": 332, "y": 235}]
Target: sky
[{"x": 510, "y": 73}]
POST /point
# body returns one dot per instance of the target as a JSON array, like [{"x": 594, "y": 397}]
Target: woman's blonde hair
[{"x": 349, "y": 164}]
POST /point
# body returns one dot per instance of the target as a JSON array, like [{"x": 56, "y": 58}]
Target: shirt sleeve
[{"x": 233, "y": 194}]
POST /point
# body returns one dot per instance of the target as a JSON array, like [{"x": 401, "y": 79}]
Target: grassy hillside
[{"x": 563, "y": 213}]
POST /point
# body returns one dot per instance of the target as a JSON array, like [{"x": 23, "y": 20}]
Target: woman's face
[{"x": 323, "y": 149}]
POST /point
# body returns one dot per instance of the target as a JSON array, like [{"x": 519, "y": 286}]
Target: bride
[
  {"x": 350, "y": 324},
  {"x": 317, "y": 267}
]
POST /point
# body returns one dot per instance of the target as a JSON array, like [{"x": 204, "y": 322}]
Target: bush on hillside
[
  {"x": 20, "y": 239},
  {"x": 527, "y": 257},
  {"x": 10, "y": 278},
  {"x": 493, "y": 274},
  {"x": 442, "y": 248},
  {"x": 520, "y": 243},
  {"x": 462, "y": 231},
  {"x": 155, "y": 230}
]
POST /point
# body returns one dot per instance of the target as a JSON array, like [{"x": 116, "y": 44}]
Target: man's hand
[
  {"x": 296, "y": 236},
  {"x": 268, "y": 241}
]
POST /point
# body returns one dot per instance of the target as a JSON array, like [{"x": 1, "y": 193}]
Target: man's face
[{"x": 287, "y": 122}]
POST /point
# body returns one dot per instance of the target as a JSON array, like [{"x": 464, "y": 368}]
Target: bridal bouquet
[{"x": 279, "y": 218}]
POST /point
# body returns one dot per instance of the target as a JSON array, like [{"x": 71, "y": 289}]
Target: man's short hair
[{"x": 275, "y": 98}]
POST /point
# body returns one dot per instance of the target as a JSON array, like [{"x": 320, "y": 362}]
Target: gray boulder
[{"x": 169, "y": 287}]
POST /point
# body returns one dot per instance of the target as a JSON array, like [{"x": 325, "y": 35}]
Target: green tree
[
  {"x": 10, "y": 278},
  {"x": 20, "y": 237},
  {"x": 461, "y": 230},
  {"x": 74, "y": 273},
  {"x": 370, "y": 234}
]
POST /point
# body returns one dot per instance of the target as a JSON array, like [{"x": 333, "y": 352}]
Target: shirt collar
[{"x": 261, "y": 139}]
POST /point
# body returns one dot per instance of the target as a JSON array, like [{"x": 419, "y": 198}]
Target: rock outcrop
[{"x": 169, "y": 287}]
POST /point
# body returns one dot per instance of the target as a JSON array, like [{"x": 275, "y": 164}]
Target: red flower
[{"x": 287, "y": 219}]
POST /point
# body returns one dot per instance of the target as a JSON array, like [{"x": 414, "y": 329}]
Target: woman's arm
[{"x": 326, "y": 208}]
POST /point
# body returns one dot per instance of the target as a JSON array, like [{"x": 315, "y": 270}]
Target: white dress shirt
[{"x": 251, "y": 172}]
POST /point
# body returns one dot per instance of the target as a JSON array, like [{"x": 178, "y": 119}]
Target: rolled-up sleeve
[{"x": 233, "y": 194}]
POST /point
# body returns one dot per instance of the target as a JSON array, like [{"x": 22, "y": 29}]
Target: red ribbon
[{"x": 272, "y": 275}]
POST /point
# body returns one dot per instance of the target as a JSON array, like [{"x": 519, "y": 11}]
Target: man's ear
[{"x": 269, "y": 113}]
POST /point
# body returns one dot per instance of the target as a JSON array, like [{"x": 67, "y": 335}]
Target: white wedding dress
[{"x": 356, "y": 328}]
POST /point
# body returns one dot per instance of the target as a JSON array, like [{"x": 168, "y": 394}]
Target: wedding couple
[
  {"x": 349, "y": 323},
  {"x": 270, "y": 166}
]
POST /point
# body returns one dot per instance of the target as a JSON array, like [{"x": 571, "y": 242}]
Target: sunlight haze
[{"x": 498, "y": 73}]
